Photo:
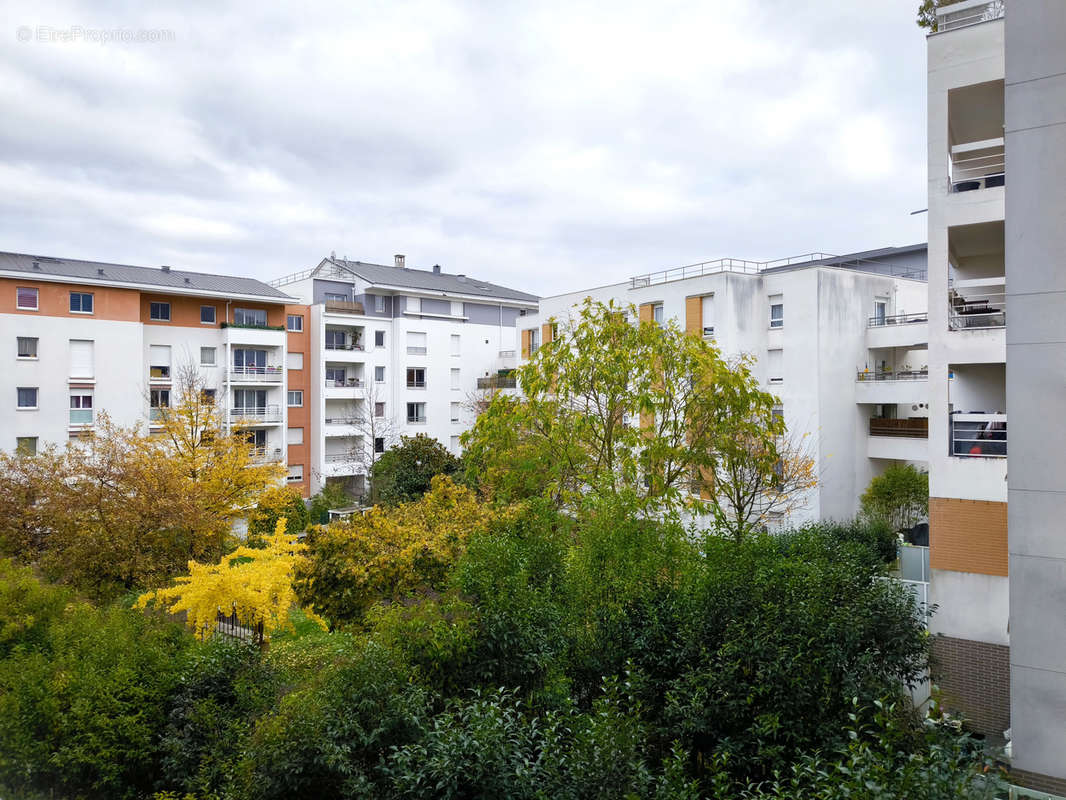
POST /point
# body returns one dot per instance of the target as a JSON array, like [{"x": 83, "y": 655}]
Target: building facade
[
  {"x": 395, "y": 351},
  {"x": 90, "y": 337},
  {"x": 841, "y": 340}
]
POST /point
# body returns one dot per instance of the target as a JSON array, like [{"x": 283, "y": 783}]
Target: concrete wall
[{"x": 1035, "y": 238}]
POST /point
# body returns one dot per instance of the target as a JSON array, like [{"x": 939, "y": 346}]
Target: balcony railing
[
  {"x": 254, "y": 374},
  {"x": 893, "y": 375},
  {"x": 343, "y": 420},
  {"x": 979, "y": 435},
  {"x": 416, "y": 384},
  {"x": 345, "y": 346},
  {"x": 415, "y": 351},
  {"x": 977, "y": 311},
  {"x": 969, "y": 12},
  {"x": 507, "y": 354},
  {"x": 344, "y": 306},
  {"x": 270, "y": 413},
  {"x": 338, "y": 383},
  {"x": 978, "y": 165},
  {"x": 340, "y": 458},
  {"x": 912, "y": 428},
  {"x": 265, "y": 455},
  {"x": 498, "y": 382},
  {"x": 898, "y": 319},
  {"x": 81, "y": 416},
  {"x": 159, "y": 373}
]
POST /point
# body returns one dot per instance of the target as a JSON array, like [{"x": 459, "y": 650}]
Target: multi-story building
[
  {"x": 997, "y": 168},
  {"x": 395, "y": 351},
  {"x": 87, "y": 336},
  {"x": 841, "y": 340}
]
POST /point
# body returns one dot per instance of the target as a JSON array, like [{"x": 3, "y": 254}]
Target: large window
[
  {"x": 207, "y": 356},
  {"x": 251, "y": 317},
  {"x": 26, "y": 445},
  {"x": 416, "y": 412},
  {"x": 81, "y": 407},
  {"x": 416, "y": 343},
  {"x": 27, "y": 396},
  {"x": 247, "y": 360},
  {"x": 296, "y": 473},
  {"x": 26, "y": 299},
  {"x": 81, "y": 302},
  {"x": 159, "y": 361},
  {"x": 880, "y": 311},
  {"x": 160, "y": 312},
  {"x": 294, "y": 360},
  {"x": 336, "y": 298},
  {"x": 336, "y": 376},
  {"x": 456, "y": 412},
  {"x": 775, "y": 365},
  {"x": 207, "y": 315},
  {"x": 294, "y": 323},
  {"x": 81, "y": 358},
  {"x": 416, "y": 378},
  {"x": 27, "y": 346},
  {"x": 158, "y": 399},
  {"x": 777, "y": 311},
  {"x": 296, "y": 399}
]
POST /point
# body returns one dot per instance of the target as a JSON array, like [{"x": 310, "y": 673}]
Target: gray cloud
[{"x": 543, "y": 145}]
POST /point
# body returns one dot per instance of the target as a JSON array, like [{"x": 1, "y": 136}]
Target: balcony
[
  {"x": 265, "y": 455},
  {"x": 890, "y": 375},
  {"x": 338, "y": 383},
  {"x": 255, "y": 414},
  {"x": 898, "y": 439},
  {"x": 498, "y": 382},
  {"x": 159, "y": 373},
  {"x": 892, "y": 387},
  {"x": 345, "y": 346},
  {"x": 256, "y": 374},
  {"x": 81, "y": 417},
  {"x": 344, "y": 307},
  {"x": 952, "y": 16},
  {"x": 913, "y": 427},
  {"x": 976, "y": 311},
  {"x": 898, "y": 319},
  {"x": 978, "y": 165},
  {"x": 979, "y": 435}
]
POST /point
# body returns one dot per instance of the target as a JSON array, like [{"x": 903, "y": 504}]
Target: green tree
[
  {"x": 927, "y": 13},
  {"x": 332, "y": 495},
  {"x": 275, "y": 503},
  {"x": 404, "y": 473},
  {"x": 899, "y": 496}
]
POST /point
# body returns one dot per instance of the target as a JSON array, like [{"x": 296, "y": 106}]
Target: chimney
[
  {"x": 399, "y": 258},
  {"x": 165, "y": 268},
  {"x": 188, "y": 281},
  {"x": 436, "y": 269},
  {"x": 332, "y": 255},
  {"x": 36, "y": 265},
  {"x": 100, "y": 271}
]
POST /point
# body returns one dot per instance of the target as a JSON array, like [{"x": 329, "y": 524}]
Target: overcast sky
[{"x": 547, "y": 146}]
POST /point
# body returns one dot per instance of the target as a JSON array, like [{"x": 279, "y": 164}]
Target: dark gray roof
[
  {"x": 125, "y": 275},
  {"x": 427, "y": 279},
  {"x": 881, "y": 260}
]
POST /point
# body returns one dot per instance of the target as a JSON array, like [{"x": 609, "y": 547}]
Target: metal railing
[
  {"x": 337, "y": 383},
  {"x": 416, "y": 384},
  {"x": 269, "y": 413},
  {"x": 979, "y": 435},
  {"x": 977, "y": 311},
  {"x": 898, "y": 319},
  {"x": 296, "y": 276},
  {"x": 265, "y": 455},
  {"x": 415, "y": 351},
  {"x": 342, "y": 420},
  {"x": 892, "y": 375},
  {"x": 498, "y": 382},
  {"x": 416, "y": 420},
  {"x": 256, "y": 374},
  {"x": 344, "y": 306},
  {"x": 910, "y": 428},
  {"x": 345, "y": 346},
  {"x": 978, "y": 165},
  {"x": 340, "y": 458},
  {"x": 81, "y": 416},
  {"x": 951, "y": 16}
]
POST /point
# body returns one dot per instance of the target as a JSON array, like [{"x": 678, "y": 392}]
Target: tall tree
[
  {"x": 899, "y": 495},
  {"x": 404, "y": 473}
]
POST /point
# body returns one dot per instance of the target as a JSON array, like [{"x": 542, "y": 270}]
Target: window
[
  {"x": 416, "y": 378},
  {"x": 160, "y": 312},
  {"x": 336, "y": 376},
  {"x": 455, "y": 445},
  {"x": 457, "y": 308},
  {"x": 379, "y": 409},
  {"x": 296, "y": 399},
  {"x": 159, "y": 398},
  {"x": 455, "y": 378},
  {"x": 777, "y": 311},
  {"x": 775, "y": 364},
  {"x": 81, "y": 408},
  {"x": 379, "y": 338},
  {"x": 332, "y": 297},
  {"x": 159, "y": 361},
  {"x": 294, "y": 360},
  {"x": 657, "y": 313},
  {"x": 207, "y": 356},
  {"x": 26, "y": 445},
  {"x": 534, "y": 341},
  {"x": 207, "y": 397},
  {"x": 207, "y": 315},
  {"x": 416, "y": 343},
  {"x": 778, "y": 413},
  {"x": 81, "y": 358},
  {"x": 880, "y": 311},
  {"x": 296, "y": 473},
  {"x": 379, "y": 444},
  {"x": 81, "y": 302},
  {"x": 336, "y": 340},
  {"x": 27, "y": 346},
  {"x": 379, "y": 374},
  {"x": 294, "y": 436},
  {"x": 294, "y": 323},
  {"x": 416, "y": 412},
  {"x": 455, "y": 412},
  {"x": 249, "y": 361},
  {"x": 379, "y": 303},
  {"x": 251, "y": 317},
  {"x": 27, "y": 396},
  {"x": 414, "y": 305},
  {"x": 26, "y": 299},
  {"x": 456, "y": 344}
]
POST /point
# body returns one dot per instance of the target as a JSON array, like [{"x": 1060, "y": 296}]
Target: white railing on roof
[
  {"x": 968, "y": 12},
  {"x": 296, "y": 276},
  {"x": 753, "y": 267}
]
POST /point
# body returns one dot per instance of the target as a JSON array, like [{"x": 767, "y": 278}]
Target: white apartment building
[
  {"x": 997, "y": 203},
  {"x": 85, "y": 337},
  {"x": 397, "y": 351},
  {"x": 841, "y": 340}
]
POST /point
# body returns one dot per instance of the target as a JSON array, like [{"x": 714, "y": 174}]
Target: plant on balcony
[
  {"x": 252, "y": 327},
  {"x": 927, "y": 13}
]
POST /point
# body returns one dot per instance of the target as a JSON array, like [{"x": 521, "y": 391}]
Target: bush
[
  {"x": 404, "y": 473},
  {"x": 275, "y": 503}
]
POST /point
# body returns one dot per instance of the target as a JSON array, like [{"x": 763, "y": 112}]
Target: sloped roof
[
  {"x": 130, "y": 276},
  {"x": 384, "y": 275}
]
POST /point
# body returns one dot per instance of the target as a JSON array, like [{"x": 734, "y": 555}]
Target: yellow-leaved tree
[{"x": 257, "y": 581}]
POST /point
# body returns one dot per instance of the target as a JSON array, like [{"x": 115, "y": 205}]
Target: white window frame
[
  {"x": 152, "y": 304},
  {"x": 92, "y": 302},
  {"x": 299, "y": 323},
  {"x": 294, "y": 358},
  {"x": 290, "y": 395},
  {"x": 214, "y": 315},
  {"x": 658, "y": 316},
  {"x": 456, "y": 344},
  {"x": 214, "y": 356},
  {"x": 36, "y": 398},
  {"x": 292, "y": 476},
  {"x": 416, "y": 419},
  {"x": 379, "y": 304},
  {"x": 456, "y": 379},
  {"x": 379, "y": 370},
  {"x": 779, "y": 321},
  {"x": 294, "y": 435},
  {"x": 36, "y": 298},
  {"x": 36, "y": 348},
  {"x": 379, "y": 335}
]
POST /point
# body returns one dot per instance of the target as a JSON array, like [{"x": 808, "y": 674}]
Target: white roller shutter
[{"x": 81, "y": 358}]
